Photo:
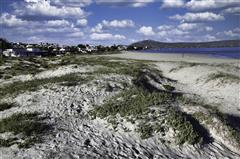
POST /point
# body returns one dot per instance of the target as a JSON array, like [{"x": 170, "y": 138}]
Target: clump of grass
[
  {"x": 169, "y": 87},
  {"x": 185, "y": 65},
  {"x": 5, "y": 106},
  {"x": 146, "y": 130},
  {"x": 29, "y": 126},
  {"x": 18, "y": 87},
  {"x": 224, "y": 77},
  {"x": 134, "y": 101},
  {"x": 137, "y": 103},
  {"x": 2, "y": 60},
  {"x": 230, "y": 121},
  {"x": 186, "y": 132}
]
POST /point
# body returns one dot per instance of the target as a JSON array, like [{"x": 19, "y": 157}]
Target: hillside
[{"x": 151, "y": 44}]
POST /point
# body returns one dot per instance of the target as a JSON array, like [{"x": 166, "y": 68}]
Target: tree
[{"x": 4, "y": 44}]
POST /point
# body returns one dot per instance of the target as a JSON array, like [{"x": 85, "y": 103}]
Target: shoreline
[{"x": 171, "y": 57}]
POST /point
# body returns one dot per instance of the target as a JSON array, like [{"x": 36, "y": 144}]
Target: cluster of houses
[{"x": 49, "y": 49}]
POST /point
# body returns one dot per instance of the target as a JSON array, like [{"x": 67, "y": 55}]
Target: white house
[
  {"x": 33, "y": 50},
  {"x": 82, "y": 51},
  {"x": 62, "y": 50},
  {"x": 9, "y": 52}
]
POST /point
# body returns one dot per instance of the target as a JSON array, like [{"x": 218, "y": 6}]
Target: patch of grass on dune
[
  {"x": 230, "y": 121},
  {"x": 19, "y": 87},
  {"x": 224, "y": 77},
  {"x": 24, "y": 66},
  {"x": 5, "y": 106},
  {"x": 29, "y": 127},
  {"x": 182, "y": 123},
  {"x": 137, "y": 103},
  {"x": 2, "y": 60},
  {"x": 134, "y": 101}
]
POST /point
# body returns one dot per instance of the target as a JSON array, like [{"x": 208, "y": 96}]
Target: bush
[{"x": 29, "y": 125}]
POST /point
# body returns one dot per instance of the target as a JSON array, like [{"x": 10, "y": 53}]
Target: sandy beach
[
  {"x": 111, "y": 106},
  {"x": 174, "y": 57},
  {"x": 192, "y": 72}
]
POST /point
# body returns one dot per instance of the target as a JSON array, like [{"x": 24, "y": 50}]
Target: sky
[{"x": 107, "y": 22}]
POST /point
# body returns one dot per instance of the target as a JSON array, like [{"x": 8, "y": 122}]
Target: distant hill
[{"x": 151, "y": 44}]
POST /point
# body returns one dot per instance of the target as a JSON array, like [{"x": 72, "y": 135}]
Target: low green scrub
[
  {"x": 145, "y": 129},
  {"x": 5, "y": 106},
  {"x": 2, "y": 60},
  {"x": 224, "y": 77},
  {"x": 137, "y": 103},
  {"x": 185, "y": 130},
  {"x": 18, "y": 87},
  {"x": 26, "y": 66},
  {"x": 185, "y": 65},
  {"x": 230, "y": 121},
  {"x": 29, "y": 127},
  {"x": 134, "y": 101},
  {"x": 169, "y": 87}
]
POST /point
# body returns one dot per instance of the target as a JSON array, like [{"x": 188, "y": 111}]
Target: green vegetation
[
  {"x": 145, "y": 129},
  {"x": 139, "y": 104},
  {"x": 169, "y": 87},
  {"x": 224, "y": 77},
  {"x": 18, "y": 87},
  {"x": 27, "y": 66},
  {"x": 5, "y": 106},
  {"x": 185, "y": 65},
  {"x": 230, "y": 121},
  {"x": 135, "y": 101},
  {"x": 29, "y": 127},
  {"x": 186, "y": 132}
]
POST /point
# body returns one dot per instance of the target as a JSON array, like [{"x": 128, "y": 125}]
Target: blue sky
[{"x": 118, "y": 21}]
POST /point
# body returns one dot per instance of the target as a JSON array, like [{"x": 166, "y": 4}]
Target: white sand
[
  {"x": 67, "y": 106},
  {"x": 224, "y": 95},
  {"x": 173, "y": 57}
]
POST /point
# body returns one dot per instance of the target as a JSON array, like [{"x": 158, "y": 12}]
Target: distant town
[
  {"x": 12, "y": 49},
  {"x": 19, "y": 49}
]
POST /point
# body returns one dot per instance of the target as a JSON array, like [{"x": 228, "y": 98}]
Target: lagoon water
[{"x": 225, "y": 52}]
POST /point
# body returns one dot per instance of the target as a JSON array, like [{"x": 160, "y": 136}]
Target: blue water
[{"x": 225, "y": 52}]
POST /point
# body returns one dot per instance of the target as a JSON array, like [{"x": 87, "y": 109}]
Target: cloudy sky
[{"x": 118, "y": 21}]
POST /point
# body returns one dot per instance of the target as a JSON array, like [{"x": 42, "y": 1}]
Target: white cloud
[
  {"x": 232, "y": 33},
  {"x": 11, "y": 20},
  {"x": 146, "y": 31},
  {"x": 76, "y": 34},
  {"x": 208, "y": 28},
  {"x": 189, "y": 26},
  {"x": 165, "y": 27},
  {"x": 233, "y": 10},
  {"x": 172, "y": 3},
  {"x": 44, "y": 8},
  {"x": 173, "y": 32},
  {"x": 106, "y": 36},
  {"x": 58, "y": 23},
  {"x": 130, "y": 3},
  {"x": 82, "y": 22},
  {"x": 98, "y": 28},
  {"x": 126, "y": 23},
  {"x": 209, "y": 38},
  {"x": 72, "y": 3},
  {"x": 202, "y": 16},
  {"x": 118, "y": 23},
  {"x": 141, "y": 3},
  {"x": 210, "y": 4}
]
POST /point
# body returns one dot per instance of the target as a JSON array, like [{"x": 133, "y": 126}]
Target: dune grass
[
  {"x": 19, "y": 87},
  {"x": 136, "y": 103},
  {"x": 5, "y": 106},
  {"x": 29, "y": 127},
  {"x": 224, "y": 77}
]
